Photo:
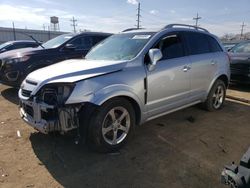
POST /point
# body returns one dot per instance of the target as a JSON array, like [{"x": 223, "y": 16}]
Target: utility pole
[
  {"x": 242, "y": 30},
  {"x": 14, "y": 30},
  {"x": 138, "y": 15},
  {"x": 74, "y": 24},
  {"x": 48, "y": 32},
  {"x": 197, "y": 18},
  {"x": 44, "y": 27}
]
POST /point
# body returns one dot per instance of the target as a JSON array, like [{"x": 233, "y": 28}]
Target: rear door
[
  {"x": 203, "y": 63},
  {"x": 169, "y": 84}
]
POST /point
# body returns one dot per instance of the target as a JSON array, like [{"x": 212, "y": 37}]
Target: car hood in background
[
  {"x": 23, "y": 52},
  {"x": 239, "y": 57}
]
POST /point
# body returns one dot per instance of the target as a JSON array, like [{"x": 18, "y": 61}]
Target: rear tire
[
  {"x": 110, "y": 125},
  {"x": 216, "y": 96}
]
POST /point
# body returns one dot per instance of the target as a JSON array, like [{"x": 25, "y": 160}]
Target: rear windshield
[{"x": 242, "y": 48}]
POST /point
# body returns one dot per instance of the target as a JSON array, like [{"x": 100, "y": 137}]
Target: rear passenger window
[
  {"x": 198, "y": 43},
  {"x": 171, "y": 47},
  {"x": 214, "y": 46}
]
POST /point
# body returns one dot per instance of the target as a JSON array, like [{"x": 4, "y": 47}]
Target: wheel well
[
  {"x": 135, "y": 106},
  {"x": 224, "y": 79}
]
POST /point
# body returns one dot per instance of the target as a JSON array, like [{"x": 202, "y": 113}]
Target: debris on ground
[
  {"x": 115, "y": 153},
  {"x": 160, "y": 124},
  {"x": 30, "y": 185},
  {"x": 18, "y": 134},
  {"x": 204, "y": 142},
  {"x": 191, "y": 119},
  {"x": 222, "y": 148}
]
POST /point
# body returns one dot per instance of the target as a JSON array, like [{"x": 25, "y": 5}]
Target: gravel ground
[{"x": 184, "y": 149}]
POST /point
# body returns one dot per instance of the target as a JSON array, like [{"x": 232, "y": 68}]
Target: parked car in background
[
  {"x": 15, "y": 65},
  {"x": 126, "y": 80},
  {"x": 12, "y": 45},
  {"x": 240, "y": 63},
  {"x": 229, "y": 45}
]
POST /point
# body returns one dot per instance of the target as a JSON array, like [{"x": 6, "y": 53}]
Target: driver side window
[
  {"x": 171, "y": 46},
  {"x": 82, "y": 43}
]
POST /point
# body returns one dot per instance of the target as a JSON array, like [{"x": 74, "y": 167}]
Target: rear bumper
[{"x": 240, "y": 78}]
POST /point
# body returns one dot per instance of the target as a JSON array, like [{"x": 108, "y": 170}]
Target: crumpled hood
[{"x": 70, "y": 71}]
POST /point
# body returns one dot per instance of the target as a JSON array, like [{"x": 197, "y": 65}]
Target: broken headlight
[{"x": 56, "y": 94}]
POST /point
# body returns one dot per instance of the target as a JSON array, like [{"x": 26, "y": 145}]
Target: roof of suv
[
  {"x": 89, "y": 33},
  {"x": 173, "y": 27}
]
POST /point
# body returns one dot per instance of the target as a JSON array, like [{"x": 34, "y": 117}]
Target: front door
[{"x": 169, "y": 84}]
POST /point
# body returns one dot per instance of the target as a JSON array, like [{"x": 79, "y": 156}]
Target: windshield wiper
[
  {"x": 30, "y": 36},
  {"x": 36, "y": 41}
]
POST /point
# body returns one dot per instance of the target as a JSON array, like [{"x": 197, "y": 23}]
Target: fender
[
  {"x": 213, "y": 81},
  {"x": 102, "y": 95},
  {"x": 109, "y": 92}
]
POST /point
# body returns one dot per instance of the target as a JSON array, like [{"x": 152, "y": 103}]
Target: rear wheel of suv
[
  {"x": 111, "y": 125},
  {"x": 216, "y": 96}
]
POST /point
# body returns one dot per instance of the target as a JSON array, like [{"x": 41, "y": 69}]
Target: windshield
[
  {"x": 4, "y": 45},
  {"x": 119, "y": 47},
  {"x": 55, "y": 42},
  {"x": 242, "y": 48}
]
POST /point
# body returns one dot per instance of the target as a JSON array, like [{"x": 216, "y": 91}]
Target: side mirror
[
  {"x": 155, "y": 55},
  {"x": 69, "y": 47}
]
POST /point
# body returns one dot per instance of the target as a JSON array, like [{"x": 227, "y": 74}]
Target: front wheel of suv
[
  {"x": 216, "y": 96},
  {"x": 111, "y": 125}
]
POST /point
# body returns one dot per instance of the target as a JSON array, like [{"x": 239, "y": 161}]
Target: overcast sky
[{"x": 219, "y": 16}]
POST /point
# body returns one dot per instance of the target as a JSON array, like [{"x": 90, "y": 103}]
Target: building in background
[{"x": 10, "y": 34}]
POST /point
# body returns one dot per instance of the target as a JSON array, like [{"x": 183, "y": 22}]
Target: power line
[
  {"x": 197, "y": 18},
  {"x": 242, "y": 29},
  {"x": 74, "y": 24},
  {"x": 138, "y": 15}
]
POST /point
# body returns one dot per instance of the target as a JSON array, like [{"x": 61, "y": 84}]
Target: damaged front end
[{"x": 47, "y": 112}]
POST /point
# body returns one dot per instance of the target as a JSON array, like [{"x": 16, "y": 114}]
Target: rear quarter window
[
  {"x": 197, "y": 43},
  {"x": 214, "y": 45}
]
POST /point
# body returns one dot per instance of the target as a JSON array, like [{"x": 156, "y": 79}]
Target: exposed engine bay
[{"x": 47, "y": 111}]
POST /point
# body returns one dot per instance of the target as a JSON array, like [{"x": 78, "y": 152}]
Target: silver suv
[{"x": 126, "y": 80}]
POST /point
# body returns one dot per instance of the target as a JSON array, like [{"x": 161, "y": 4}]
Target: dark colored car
[
  {"x": 15, "y": 65},
  {"x": 12, "y": 45},
  {"x": 240, "y": 63}
]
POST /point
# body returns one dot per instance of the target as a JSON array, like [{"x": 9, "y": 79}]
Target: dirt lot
[{"x": 172, "y": 151}]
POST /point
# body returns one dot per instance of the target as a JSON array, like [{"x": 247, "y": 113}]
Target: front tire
[
  {"x": 216, "y": 96},
  {"x": 111, "y": 125}
]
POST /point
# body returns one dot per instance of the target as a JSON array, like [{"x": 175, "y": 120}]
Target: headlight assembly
[
  {"x": 17, "y": 60},
  {"x": 56, "y": 94}
]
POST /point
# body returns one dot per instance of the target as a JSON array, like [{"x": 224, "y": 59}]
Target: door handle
[
  {"x": 186, "y": 68},
  {"x": 213, "y": 62}
]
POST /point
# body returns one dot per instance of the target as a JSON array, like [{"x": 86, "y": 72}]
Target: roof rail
[
  {"x": 184, "y": 25},
  {"x": 131, "y": 29}
]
